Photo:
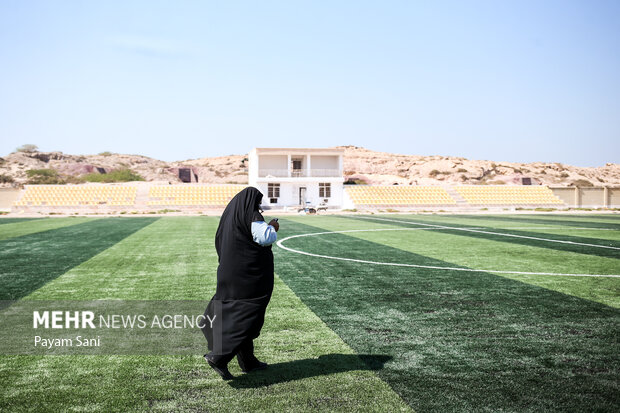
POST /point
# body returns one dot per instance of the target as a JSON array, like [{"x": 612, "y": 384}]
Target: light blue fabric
[{"x": 263, "y": 233}]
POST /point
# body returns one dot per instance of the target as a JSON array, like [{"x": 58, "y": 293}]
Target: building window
[
  {"x": 273, "y": 190},
  {"x": 325, "y": 190}
]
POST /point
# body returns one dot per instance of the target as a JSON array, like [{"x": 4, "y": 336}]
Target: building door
[
  {"x": 185, "y": 174},
  {"x": 302, "y": 196},
  {"x": 296, "y": 168}
]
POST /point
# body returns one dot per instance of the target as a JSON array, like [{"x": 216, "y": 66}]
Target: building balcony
[{"x": 300, "y": 173}]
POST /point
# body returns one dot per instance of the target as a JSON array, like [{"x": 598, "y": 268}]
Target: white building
[{"x": 290, "y": 177}]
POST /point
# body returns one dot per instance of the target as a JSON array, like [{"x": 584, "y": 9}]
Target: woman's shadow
[{"x": 301, "y": 369}]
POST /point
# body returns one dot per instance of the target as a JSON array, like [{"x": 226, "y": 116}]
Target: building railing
[
  {"x": 336, "y": 173},
  {"x": 299, "y": 173},
  {"x": 277, "y": 173}
]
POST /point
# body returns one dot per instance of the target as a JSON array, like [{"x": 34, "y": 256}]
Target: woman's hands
[{"x": 274, "y": 224}]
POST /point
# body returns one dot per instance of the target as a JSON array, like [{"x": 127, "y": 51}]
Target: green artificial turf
[
  {"x": 481, "y": 253},
  {"x": 30, "y": 261},
  {"x": 461, "y": 341},
  {"x": 15, "y": 220},
  {"x": 16, "y": 227},
  {"x": 590, "y": 221},
  {"x": 340, "y": 336},
  {"x": 173, "y": 258},
  {"x": 572, "y": 243}
]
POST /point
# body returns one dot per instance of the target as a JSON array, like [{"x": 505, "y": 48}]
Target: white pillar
[
  {"x": 577, "y": 200},
  {"x": 307, "y": 166}
]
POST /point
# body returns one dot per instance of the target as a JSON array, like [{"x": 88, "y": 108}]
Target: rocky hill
[
  {"x": 387, "y": 168},
  {"x": 360, "y": 166}
]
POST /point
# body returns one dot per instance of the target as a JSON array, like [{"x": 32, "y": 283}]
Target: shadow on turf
[{"x": 301, "y": 369}]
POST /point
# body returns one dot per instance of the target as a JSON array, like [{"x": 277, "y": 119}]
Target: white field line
[
  {"x": 556, "y": 228},
  {"x": 493, "y": 233},
  {"x": 432, "y": 267}
]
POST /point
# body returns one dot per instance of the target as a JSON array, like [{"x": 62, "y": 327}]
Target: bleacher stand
[
  {"x": 148, "y": 197},
  {"x": 397, "y": 195},
  {"x": 508, "y": 195},
  {"x": 192, "y": 195},
  {"x": 77, "y": 195}
]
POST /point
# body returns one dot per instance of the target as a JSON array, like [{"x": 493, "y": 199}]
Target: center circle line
[{"x": 395, "y": 264}]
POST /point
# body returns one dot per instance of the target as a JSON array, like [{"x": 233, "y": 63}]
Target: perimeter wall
[
  {"x": 7, "y": 197},
  {"x": 593, "y": 197}
]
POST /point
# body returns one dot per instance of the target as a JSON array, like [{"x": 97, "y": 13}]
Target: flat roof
[{"x": 292, "y": 150}]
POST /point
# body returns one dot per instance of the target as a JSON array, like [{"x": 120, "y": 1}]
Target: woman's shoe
[
  {"x": 221, "y": 370},
  {"x": 258, "y": 366},
  {"x": 253, "y": 365}
]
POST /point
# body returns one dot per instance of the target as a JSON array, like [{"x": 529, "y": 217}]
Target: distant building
[{"x": 297, "y": 176}]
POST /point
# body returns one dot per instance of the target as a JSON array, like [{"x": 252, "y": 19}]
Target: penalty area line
[
  {"x": 503, "y": 234},
  {"x": 280, "y": 243}
]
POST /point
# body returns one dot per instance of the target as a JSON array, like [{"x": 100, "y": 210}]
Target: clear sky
[{"x": 503, "y": 80}]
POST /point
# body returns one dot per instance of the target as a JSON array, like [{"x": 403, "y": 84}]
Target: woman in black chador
[{"x": 235, "y": 314}]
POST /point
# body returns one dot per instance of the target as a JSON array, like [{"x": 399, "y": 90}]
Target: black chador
[{"x": 235, "y": 314}]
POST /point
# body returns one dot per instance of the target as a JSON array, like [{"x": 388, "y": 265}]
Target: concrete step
[
  {"x": 142, "y": 197},
  {"x": 460, "y": 201}
]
